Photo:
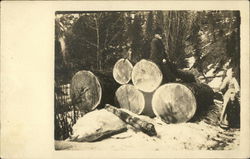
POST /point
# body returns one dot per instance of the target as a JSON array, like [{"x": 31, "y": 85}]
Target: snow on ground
[
  {"x": 216, "y": 83},
  {"x": 184, "y": 136}
]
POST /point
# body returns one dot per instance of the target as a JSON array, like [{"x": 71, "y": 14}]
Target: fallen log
[
  {"x": 142, "y": 125},
  {"x": 176, "y": 102},
  {"x": 93, "y": 90},
  {"x": 130, "y": 98},
  {"x": 146, "y": 76},
  {"x": 122, "y": 71}
]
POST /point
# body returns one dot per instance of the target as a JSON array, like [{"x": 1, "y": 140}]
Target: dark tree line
[{"x": 96, "y": 40}]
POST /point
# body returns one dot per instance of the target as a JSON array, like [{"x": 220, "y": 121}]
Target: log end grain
[
  {"x": 146, "y": 76},
  {"x": 85, "y": 85},
  {"x": 128, "y": 97},
  {"x": 174, "y": 103},
  {"x": 122, "y": 71}
]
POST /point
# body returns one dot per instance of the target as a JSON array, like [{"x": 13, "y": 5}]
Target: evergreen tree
[
  {"x": 149, "y": 34},
  {"x": 136, "y": 37},
  {"x": 95, "y": 37},
  {"x": 175, "y": 30}
]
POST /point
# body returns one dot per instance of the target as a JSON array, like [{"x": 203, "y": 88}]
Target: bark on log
[
  {"x": 130, "y": 98},
  {"x": 142, "y": 125},
  {"x": 109, "y": 87},
  {"x": 122, "y": 71},
  {"x": 93, "y": 90},
  {"x": 146, "y": 76},
  {"x": 185, "y": 76},
  {"x": 176, "y": 102}
]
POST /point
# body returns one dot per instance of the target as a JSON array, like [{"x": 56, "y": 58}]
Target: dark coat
[{"x": 157, "y": 53}]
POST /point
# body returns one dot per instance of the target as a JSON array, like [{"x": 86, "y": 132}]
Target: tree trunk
[
  {"x": 108, "y": 85},
  {"x": 99, "y": 60},
  {"x": 93, "y": 90},
  {"x": 122, "y": 71},
  {"x": 130, "y": 98},
  {"x": 176, "y": 102},
  {"x": 129, "y": 118},
  {"x": 146, "y": 76}
]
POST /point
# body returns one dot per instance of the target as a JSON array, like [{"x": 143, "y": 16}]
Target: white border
[{"x": 27, "y": 79}]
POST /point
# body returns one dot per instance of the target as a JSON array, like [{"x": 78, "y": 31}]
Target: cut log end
[
  {"x": 122, "y": 71},
  {"x": 174, "y": 103},
  {"x": 146, "y": 76},
  {"x": 86, "y": 87},
  {"x": 128, "y": 97}
]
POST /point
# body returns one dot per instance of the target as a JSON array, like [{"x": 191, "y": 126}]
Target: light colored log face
[
  {"x": 146, "y": 76},
  {"x": 128, "y": 97},
  {"x": 86, "y": 85},
  {"x": 122, "y": 71},
  {"x": 174, "y": 103}
]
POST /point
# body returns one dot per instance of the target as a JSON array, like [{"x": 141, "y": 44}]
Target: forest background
[{"x": 198, "y": 41}]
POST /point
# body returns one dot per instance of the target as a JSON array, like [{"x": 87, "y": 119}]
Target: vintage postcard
[{"x": 125, "y": 79}]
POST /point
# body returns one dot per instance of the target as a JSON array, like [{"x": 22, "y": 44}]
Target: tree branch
[
  {"x": 105, "y": 44},
  {"x": 91, "y": 27},
  {"x": 93, "y": 44}
]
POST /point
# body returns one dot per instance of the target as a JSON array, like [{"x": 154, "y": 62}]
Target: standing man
[
  {"x": 158, "y": 56},
  {"x": 230, "y": 115}
]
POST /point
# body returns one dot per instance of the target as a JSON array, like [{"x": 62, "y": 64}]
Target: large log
[
  {"x": 109, "y": 87},
  {"x": 129, "y": 118},
  {"x": 176, "y": 102},
  {"x": 93, "y": 89},
  {"x": 122, "y": 71},
  {"x": 130, "y": 98},
  {"x": 146, "y": 76},
  {"x": 185, "y": 76}
]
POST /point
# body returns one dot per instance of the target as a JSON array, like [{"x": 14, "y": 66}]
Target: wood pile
[{"x": 141, "y": 89}]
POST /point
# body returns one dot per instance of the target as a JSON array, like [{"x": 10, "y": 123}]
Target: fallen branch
[{"x": 144, "y": 126}]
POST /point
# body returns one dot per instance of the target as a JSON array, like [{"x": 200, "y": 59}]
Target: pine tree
[
  {"x": 148, "y": 36},
  {"x": 136, "y": 37}
]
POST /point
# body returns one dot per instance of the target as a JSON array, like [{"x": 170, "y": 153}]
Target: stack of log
[
  {"x": 141, "y": 90},
  {"x": 136, "y": 96}
]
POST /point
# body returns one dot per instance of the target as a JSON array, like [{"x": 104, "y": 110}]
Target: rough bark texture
[
  {"x": 122, "y": 71},
  {"x": 176, "y": 102},
  {"x": 109, "y": 86},
  {"x": 144, "y": 126},
  {"x": 204, "y": 96},
  {"x": 146, "y": 76},
  {"x": 185, "y": 76}
]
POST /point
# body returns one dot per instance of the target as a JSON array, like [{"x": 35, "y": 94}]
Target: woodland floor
[{"x": 202, "y": 135}]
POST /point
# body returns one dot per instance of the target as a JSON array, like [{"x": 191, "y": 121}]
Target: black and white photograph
[
  {"x": 124, "y": 79},
  {"x": 147, "y": 80}
]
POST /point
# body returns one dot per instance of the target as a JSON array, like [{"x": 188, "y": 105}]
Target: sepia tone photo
[
  {"x": 148, "y": 80},
  {"x": 124, "y": 79}
]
